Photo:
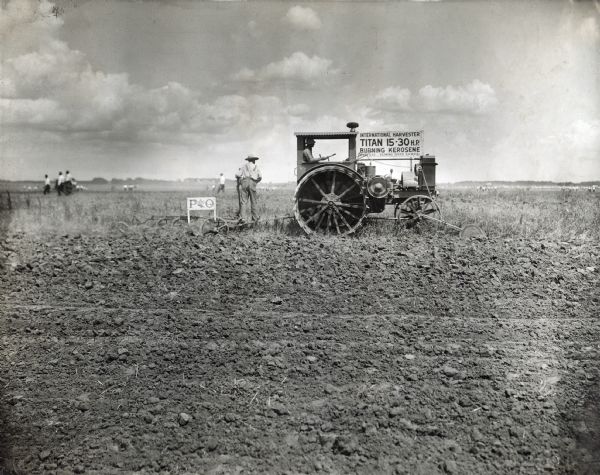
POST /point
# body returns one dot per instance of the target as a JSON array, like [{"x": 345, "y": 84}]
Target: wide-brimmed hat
[{"x": 251, "y": 158}]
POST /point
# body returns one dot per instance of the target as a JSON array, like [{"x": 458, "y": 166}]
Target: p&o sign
[{"x": 202, "y": 204}]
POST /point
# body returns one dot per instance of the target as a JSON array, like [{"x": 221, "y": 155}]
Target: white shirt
[
  {"x": 61, "y": 179},
  {"x": 222, "y": 180},
  {"x": 47, "y": 181},
  {"x": 250, "y": 170}
]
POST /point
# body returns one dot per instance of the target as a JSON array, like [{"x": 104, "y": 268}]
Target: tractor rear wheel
[{"x": 330, "y": 200}]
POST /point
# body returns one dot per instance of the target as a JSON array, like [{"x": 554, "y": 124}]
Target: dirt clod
[
  {"x": 450, "y": 466},
  {"x": 183, "y": 418},
  {"x": 44, "y": 454}
]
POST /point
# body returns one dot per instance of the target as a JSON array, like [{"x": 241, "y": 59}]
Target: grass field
[{"x": 540, "y": 213}]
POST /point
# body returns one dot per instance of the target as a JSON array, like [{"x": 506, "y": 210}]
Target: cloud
[
  {"x": 32, "y": 111},
  {"x": 303, "y": 18},
  {"x": 474, "y": 98},
  {"x": 55, "y": 103},
  {"x": 393, "y": 99},
  {"x": 588, "y": 29},
  {"x": 223, "y": 114},
  {"x": 245, "y": 74},
  {"x": 298, "y": 67},
  {"x": 50, "y": 87},
  {"x": 580, "y": 138},
  {"x": 298, "y": 110},
  {"x": 569, "y": 151},
  {"x": 253, "y": 29},
  {"x": 26, "y": 25}
]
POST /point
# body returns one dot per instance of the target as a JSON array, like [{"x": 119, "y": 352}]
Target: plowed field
[{"x": 168, "y": 351}]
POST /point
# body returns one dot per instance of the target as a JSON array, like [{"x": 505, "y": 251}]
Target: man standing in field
[
  {"x": 238, "y": 187},
  {"x": 221, "y": 184},
  {"x": 60, "y": 183},
  {"x": 46, "y": 184},
  {"x": 249, "y": 176},
  {"x": 68, "y": 186}
]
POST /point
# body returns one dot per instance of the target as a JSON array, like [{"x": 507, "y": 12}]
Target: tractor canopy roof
[{"x": 326, "y": 135}]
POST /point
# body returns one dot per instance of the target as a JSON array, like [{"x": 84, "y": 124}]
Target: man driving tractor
[{"x": 307, "y": 153}]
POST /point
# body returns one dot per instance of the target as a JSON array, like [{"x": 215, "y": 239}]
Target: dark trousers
[
  {"x": 248, "y": 193},
  {"x": 238, "y": 187}
]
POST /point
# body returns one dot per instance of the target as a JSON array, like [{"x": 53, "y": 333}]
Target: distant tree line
[
  {"x": 525, "y": 183},
  {"x": 118, "y": 181}
]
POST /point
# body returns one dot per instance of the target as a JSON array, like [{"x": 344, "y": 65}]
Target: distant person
[
  {"x": 249, "y": 176},
  {"x": 68, "y": 186},
  {"x": 46, "y": 184},
  {"x": 221, "y": 184},
  {"x": 307, "y": 154},
  {"x": 60, "y": 183}
]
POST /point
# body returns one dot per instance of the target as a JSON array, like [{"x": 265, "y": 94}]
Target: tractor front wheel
[{"x": 418, "y": 209}]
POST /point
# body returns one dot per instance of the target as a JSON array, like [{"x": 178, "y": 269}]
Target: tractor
[{"x": 337, "y": 196}]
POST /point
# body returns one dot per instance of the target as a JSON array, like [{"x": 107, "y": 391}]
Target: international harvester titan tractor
[{"x": 336, "y": 197}]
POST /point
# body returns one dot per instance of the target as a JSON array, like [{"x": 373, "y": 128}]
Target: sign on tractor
[{"x": 381, "y": 145}]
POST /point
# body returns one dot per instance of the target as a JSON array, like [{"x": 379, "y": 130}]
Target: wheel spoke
[
  {"x": 348, "y": 205},
  {"x": 335, "y": 220},
  {"x": 309, "y": 210},
  {"x": 308, "y": 200},
  {"x": 352, "y": 185},
  {"x": 318, "y": 187},
  {"x": 343, "y": 218},
  {"x": 353, "y": 216},
  {"x": 352, "y": 199},
  {"x": 318, "y": 225},
  {"x": 333, "y": 181},
  {"x": 316, "y": 215}
]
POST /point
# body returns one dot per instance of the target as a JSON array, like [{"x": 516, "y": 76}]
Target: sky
[{"x": 503, "y": 90}]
